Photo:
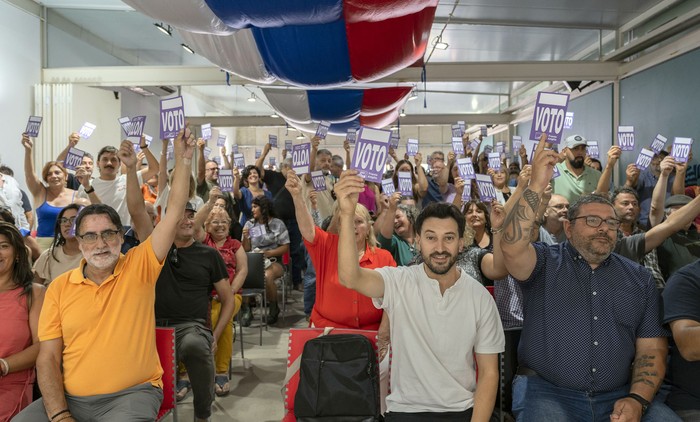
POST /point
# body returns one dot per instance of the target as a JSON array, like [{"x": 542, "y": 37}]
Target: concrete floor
[{"x": 256, "y": 394}]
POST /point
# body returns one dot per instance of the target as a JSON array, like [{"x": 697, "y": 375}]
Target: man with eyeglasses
[
  {"x": 589, "y": 315},
  {"x": 207, "y": 172},
  {"x": 97, "y": 356}
]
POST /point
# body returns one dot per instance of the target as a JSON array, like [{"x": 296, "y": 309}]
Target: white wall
[
  {"x": 20, "y": 50},
  {"x": 98, "y": 107},
  {"x": 65, "y": 50}
]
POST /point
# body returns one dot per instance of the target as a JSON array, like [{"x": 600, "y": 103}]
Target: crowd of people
[{"x": 578, "y": 266}]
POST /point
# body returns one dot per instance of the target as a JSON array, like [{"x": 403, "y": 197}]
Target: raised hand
[
  {"x": 293, "y": 183},
  {"x": 498, "y": 214},
  {"x": 667, "y": 165},
  {"x": 214, "y": 194},
  {"x": 315, "y": 142},
  {"x": 524, "y": 176},
  {"x": 27, "y": 143},
  {"x": 126, "y": 154},
  {"x": 347, "y": 191},
  {"x": 346, "y": 145},
  {"x": 543, "y": 164},
  {"x": 266, "y": 148},
  {"x": 459, "y": 185},
  {"x": 632, "y": 172},
  {"x": 313, "y": 198},
  {"x": 614, "y": 154},
  {"x": 222, "y": 150},
  {"x": 418, "y": 158},
  {"x": 83, "y": 177},
  {"x": 201, "y": 143},
  {"x": 73, "y": 139}
]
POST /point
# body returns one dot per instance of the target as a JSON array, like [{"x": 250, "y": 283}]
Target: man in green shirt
[{"x": 575, "y": 178}]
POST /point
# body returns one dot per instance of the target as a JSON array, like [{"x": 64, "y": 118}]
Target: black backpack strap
[{"x": 294, "y": 367}]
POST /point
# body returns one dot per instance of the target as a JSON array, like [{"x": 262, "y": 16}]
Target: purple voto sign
[
  {"x": 371, "y": 151},
  {"x": 550, "y": 114}
]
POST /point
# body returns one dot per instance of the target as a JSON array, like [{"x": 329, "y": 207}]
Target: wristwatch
[
  {"x": 645, "y": 404},
  {"x": 90, "y": 190}
]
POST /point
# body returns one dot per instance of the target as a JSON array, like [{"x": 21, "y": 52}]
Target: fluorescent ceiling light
[
  {"x": 165, "y": 30},
  {"x": 187, "y": 48},
  {"x": 252, "y": 98}
]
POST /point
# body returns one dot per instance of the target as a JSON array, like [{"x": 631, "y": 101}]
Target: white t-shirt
[
  {"x": 433, "y": 338},
  {"x": 113, "y": 193}
]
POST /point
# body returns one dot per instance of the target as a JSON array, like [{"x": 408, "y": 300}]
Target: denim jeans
[
  {"x": 535, "y": 399},
  {"x": 309, "y": 285}
]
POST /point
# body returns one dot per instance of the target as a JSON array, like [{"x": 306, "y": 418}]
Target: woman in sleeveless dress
[{"x": 20, "y": 304}]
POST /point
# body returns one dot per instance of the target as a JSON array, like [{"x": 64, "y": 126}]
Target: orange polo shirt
[
  {"x": 108, "y": 331},
  {"x": 337, "y": 306}
]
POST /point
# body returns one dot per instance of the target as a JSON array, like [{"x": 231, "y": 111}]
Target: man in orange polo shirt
[{"x": 98, "y": 358}]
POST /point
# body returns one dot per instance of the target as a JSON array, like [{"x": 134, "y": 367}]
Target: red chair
[
  {"x": 165, "y": 344},
  {"x": 297, "y": 338}
]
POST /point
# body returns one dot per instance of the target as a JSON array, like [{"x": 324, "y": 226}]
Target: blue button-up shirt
[{"x": 581, "y": 324}]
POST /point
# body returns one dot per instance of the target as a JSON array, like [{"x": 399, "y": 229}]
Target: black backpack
[{"x": 338, "y": 380}]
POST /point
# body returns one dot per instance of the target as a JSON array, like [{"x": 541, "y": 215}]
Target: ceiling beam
[
  {"x": 441, "y": 20},
  {"x": 418, "y": 119},
  {"x": 437, "y": 72},
  {"x": 676, "y": 26}
]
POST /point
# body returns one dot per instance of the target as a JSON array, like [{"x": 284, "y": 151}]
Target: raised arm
[
  {"x": 678, "y": 187},
  {"x": 348, "y": 154},
  {"x": 33, "y": 183},
  {"x": 520, "y": 256},
  {"x": 493, "y": 264},
  {"x": 420, "y": 174},
  {"x": 163, "y": 167},
  {"x": 140, "y": 220},
  {"x": 604, "y": 182},
  {"x": 304, "y": 220},
  {"x": 386, "y": 225},
  {"x": 658, "y": 197},
  {"x": 261, "y": 160},
  {"x": 678, "y": 220},
  {"x": 72, "y": 142},
  {"x": 203, "y": 213},
  {"x": 164, "y": 233},
  {"x": 201, "y": 162},
  {"x": 315, "y": 142},
  {"x": 153, "y": 166},
  {"x": 368, "y": 282},
  {"x": 225, "y": 158},
  {"x": 237, "y": 183}
]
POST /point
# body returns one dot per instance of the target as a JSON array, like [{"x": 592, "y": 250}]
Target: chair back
[
  {"x": 297, "y": 338},
  {"x": 165, "y": 345},
  {"x": 256, "y": 271}
]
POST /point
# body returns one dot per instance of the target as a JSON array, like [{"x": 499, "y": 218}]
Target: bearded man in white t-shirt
[{"x": 441, "y": 318}]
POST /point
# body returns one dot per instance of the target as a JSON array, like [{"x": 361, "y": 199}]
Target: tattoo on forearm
[
  {"x": 533, "y": 199},
  {"x": 644, "y": 373},
  {"x": 519, "y": 221}
]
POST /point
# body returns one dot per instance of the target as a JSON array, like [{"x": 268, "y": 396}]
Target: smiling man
[
  {"x": 441, "y": 318},
  {"x": 110, "y": 186},
  {"x": 97, "y": 356},
  {"x": 589, "y": 315}
]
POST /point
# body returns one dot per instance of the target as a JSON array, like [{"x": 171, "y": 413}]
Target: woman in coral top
[
  {"x": 337, "y": 306},
  {"x": 20, "y": 304}
]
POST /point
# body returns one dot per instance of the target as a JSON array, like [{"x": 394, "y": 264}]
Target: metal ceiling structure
[{"x": 499, "y": 54}]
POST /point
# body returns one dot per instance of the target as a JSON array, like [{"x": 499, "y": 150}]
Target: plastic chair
[
  {"x": 165, "y": 345},
  {"x": 297, "y": 338},
  {"x": 254, "y": 286}
]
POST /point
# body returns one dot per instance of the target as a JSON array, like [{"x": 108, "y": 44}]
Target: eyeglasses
[
  {"x": 218, "y": 222},
  {"x": 213, "y": 169},
  {"x": 63, "y": 221},
  {"x": 595, "y": 221},
  {"x": 107, "y": 236}
]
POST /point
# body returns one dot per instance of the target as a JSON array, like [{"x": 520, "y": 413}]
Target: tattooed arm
[
  {"x": 519, "y": 255},
  {"x": 648, "y": 372}
]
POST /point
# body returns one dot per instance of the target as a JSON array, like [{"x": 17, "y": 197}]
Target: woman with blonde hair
[
  {"x": 338, "y": 306},
  {"x": 52, "y": 195}
]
